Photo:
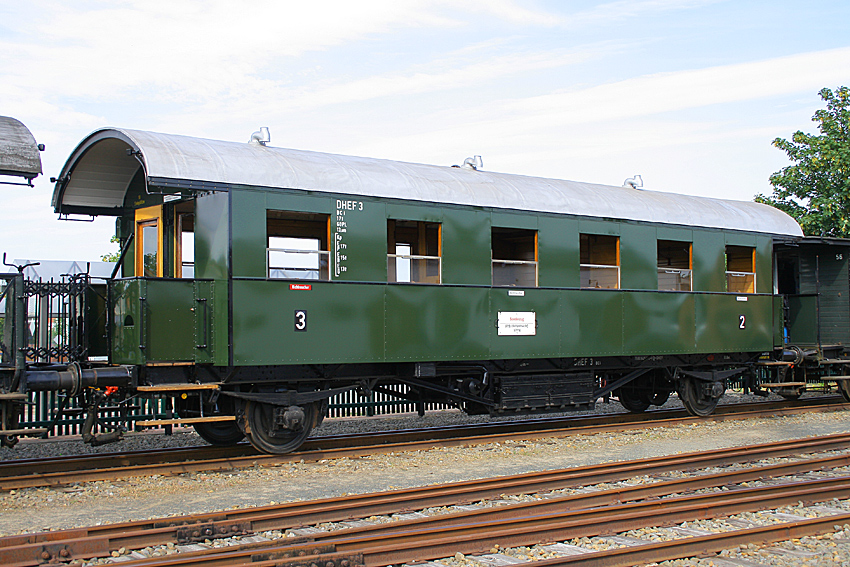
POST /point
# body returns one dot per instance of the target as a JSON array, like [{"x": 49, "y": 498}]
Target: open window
[
  {"x": 514, "y": 255},
  {"x": 600, "y": 261},
  {"x": 675, "y": 265},
  {"x": 184, "y": 257},
  {"x": 297, "y": 245},
  {"x": 413, "y": 252},
  {"x": 740, "y": 269},
  {"x": 149, "y": 242}
]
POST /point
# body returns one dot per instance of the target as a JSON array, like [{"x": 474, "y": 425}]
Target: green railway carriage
[{"x": 256, "y": 282}]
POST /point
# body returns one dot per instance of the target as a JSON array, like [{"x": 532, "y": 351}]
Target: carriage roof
[{"x": 96, "y": 177}]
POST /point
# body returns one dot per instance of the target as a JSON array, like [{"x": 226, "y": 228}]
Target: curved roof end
[{"x": 19, "y": 154}]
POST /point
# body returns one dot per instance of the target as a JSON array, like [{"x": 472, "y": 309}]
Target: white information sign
[{"x": 517, "y": 323}]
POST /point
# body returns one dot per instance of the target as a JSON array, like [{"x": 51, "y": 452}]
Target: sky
[{"x": 689, "y": 94}]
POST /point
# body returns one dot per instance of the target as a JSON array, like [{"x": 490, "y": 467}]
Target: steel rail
[
  {"x": 314, "y": 452},
  {"x": 206, "y": 452},
  {"x": 699, "y": 545},
  {"x": 101, "y": 540},
  {"x": 394, "y": 546}
]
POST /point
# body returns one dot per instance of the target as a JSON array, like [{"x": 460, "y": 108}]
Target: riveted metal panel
[
  {"x": 545, "y": 304},
  {"x": 212, "y": 246},
  {"x": 638, "y": 257},
  {"x": 558, "y": 252},
  {"x": 169, "y": 320},
  {"x": 592, "y": 322},
  {"x": 249, "y": 234},
  {"x": 720, "y": 327},
  {"x": 342, "y": 322},
  {"x": 709, "y": 253},
  {"x": 363, "y": 244},
  {"x": 126, "y": 321},
  {"x": 586, "y": 226},
  {"x": 674, "y": 233},
  {"x": 658, "y": 323},
  {"x": 205, "y": 322},
  {"x": 764, "y": 264},
  {"x": 514, "y": 220},
  {"x": 427, "y": 212},
  {"x": 433, "y": 322},
  {"x": 466, "y": 247},
  {"x": 740, "y": 238}
]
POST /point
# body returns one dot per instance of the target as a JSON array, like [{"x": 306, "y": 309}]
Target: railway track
[
  {"x": 68, "y": 470},
  {"x": 555, "y": 516}
]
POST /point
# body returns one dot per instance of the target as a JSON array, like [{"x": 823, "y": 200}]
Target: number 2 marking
[
  {"x": 743, "y": 320},
  {"x": 300, "y": 320}
]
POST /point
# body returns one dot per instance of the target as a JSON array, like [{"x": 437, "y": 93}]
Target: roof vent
[
  {"x": 261, "y": 138},
  {"x": 475, "y": 163},
  {"x": 635, "y": 182}
]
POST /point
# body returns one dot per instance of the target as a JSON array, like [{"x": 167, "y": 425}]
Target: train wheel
[
  {"x": 277, "y": 429},
  {"x": 222, "y": 433},
  {"x": 696, "y": 399},
  {"x": 844, "y": 388},
  {"x": 657, "y": 398},
  {"x": 631, "y": 400}
]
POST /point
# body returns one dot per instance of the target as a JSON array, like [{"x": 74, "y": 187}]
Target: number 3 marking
[
  {"x": 743, "y": 320},
  {"x": 300, "y": 320}
]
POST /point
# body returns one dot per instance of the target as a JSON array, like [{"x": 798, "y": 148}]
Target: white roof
[
  {"x": 100, "y": 170},
  {"x": 19, "y": 154}
]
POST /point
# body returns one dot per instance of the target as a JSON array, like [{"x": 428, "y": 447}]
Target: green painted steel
[
  {"x": 802, "y": 321},
  {"x": 169, "y": 304},
  {"x": 638, "y": 257},
  {"x": 212, "y": 243},
  {"x": 471, "y": 262},
  {"x": 432, "y": 322},
  {"x": 362, "y": 248},
  {"x": 358, "y": 317},
  {"x": 249, "y": 233},
  {"x": 709, "y": 265},
  {"x": 558, "y": 252},
  {"x": 659, "y": 323},
  {"x": 127, "y": 322},
  {"x": 344, "y": 322}
]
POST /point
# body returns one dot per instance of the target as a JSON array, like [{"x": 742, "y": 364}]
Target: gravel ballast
[{"x": 149, "y": 497}]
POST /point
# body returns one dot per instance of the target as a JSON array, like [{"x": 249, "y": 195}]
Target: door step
[
  {"x": 178, "y": 387},
  {"x": 185, "y": 421}
]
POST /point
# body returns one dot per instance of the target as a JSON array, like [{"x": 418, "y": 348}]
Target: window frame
[
  {"x": 535, "y": 263},
  {"x": 319, "y": 225},
  {"x": 590, "y": 266},
  {"x": 675, "y": 269},
  {"x": 740, "y": 273},
  {"x": 393, "y": 256}
]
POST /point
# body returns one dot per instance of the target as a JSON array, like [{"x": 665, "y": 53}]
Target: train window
[
  {"x": 149, "y": 242},
  {"x": 185, "y": 264},
  {"x": 413, "y": 252},
  {"x": 514, "y": 255},
  {"x": 740, "y": 269},
  {"x": 674, "y": 265},
  {"x": 297, "y": 245},
  {"x": 600, "y": 261}
]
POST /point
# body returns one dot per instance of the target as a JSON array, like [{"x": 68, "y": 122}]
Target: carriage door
[{"x": 149, "y": 242}]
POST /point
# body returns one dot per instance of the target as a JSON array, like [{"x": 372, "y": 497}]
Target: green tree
[
  {"x": 113, "y": 256},
  {"x": 815, "y": 189}
]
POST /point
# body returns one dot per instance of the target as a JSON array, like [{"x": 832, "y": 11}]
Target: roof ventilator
[
  {"x": 261, "y": 137},
  {"x": 635, "y": 182},
  {"x": 475, "y": 163}
]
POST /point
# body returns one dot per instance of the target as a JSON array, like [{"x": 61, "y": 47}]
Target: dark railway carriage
[{"x": 256, "y": 282}]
